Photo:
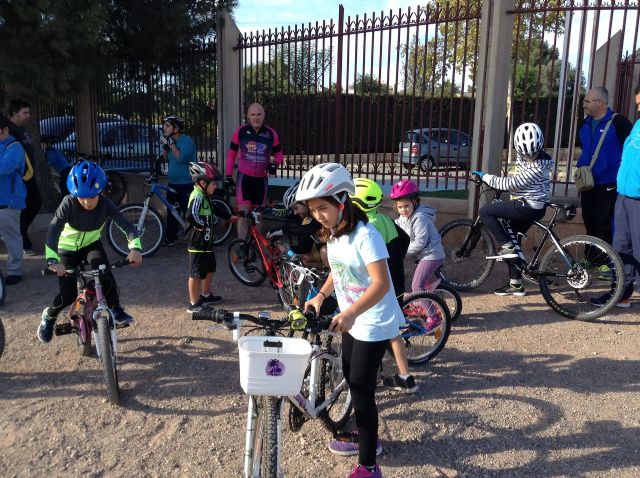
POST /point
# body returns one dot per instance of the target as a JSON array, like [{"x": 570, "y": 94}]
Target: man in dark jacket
[
  {"x": 598, "y": 203},
  {"x": 19, "y": 114}
]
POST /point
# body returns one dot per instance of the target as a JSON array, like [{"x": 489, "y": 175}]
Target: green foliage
[
  {"x": 368, "y": 85},
  {"x": 45, "y": 49},
  {"x": 290, "y": 68}
]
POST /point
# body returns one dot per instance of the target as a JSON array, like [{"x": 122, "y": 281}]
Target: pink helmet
[{"x": 404, "y": 189}]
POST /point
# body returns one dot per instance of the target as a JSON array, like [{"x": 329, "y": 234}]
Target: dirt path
[{"x": 517, "y": 392}]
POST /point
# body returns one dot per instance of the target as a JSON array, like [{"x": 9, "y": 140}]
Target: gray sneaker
[
  {"x": 511, "y": 289},
  {"x": 197, "y": 307},
  {"x": 400, "y": 384}
]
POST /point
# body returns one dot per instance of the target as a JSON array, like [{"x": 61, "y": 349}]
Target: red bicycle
[{"x": 255, "y": 258}]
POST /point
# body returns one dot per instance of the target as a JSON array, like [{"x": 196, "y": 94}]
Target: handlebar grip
[
  {"x": 214, "y": 315},
  {"x": 122, "y": 263}
]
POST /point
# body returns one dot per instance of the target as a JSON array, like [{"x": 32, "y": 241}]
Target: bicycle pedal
[{"x": 63, "y": 329}]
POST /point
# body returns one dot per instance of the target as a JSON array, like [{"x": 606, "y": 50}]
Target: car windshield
[{"x": 412, "y": 137}]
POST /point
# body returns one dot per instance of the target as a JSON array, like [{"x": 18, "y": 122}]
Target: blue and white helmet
[{"x": 86, "y": 180}]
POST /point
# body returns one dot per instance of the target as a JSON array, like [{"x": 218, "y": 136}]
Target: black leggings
[
  {"x": 95, "y": 255},
  {"x": 360, "y": 363}
]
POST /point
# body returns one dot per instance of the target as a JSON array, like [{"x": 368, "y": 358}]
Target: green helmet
[{"x": 368, "y": 194}]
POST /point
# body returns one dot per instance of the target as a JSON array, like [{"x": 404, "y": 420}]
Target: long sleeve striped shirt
[{"x": 530, "y": 182}]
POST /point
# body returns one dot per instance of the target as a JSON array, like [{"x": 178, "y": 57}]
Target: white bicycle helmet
[
  {"x": 528, "y": 139},
  {"x": 326, "y": 179},
  {"x": 289, "y": 198}
]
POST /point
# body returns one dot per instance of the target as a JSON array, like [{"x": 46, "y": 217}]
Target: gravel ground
[{"x": 517, "y": 392}]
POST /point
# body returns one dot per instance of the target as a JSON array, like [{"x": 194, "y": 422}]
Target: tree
[{"x": 368, "y": 85}]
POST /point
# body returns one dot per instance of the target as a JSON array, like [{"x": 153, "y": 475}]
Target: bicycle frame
[
  {"x": 268, "y": 253},
  {"x": 160, "y": 191}
]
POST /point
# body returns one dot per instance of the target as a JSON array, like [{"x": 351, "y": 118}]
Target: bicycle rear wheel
[
  {"x": 151, "y": 229},
  {"x": 265, "y": 444},
  {"x": 466, "y": 249},
  {"x": 221, "y": 227},
  {"x": 108, "y": 360},
  {"x": 451, "y": 298},
  {"x": 292, "y": 293},
  {"x": 3, "y": 290},
  {"x": 245, "y": 262},
  {"x": 1, "y": 338},
  {"x": 427, "y": 327},
  {"x": 116, "y": 187},
  {"x": 573, "y": 291}
]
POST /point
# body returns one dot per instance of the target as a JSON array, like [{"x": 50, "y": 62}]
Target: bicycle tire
[
  {"x": 452, "y": 299},
  {"x": 108, "y": 360},
  {"x": 84, "y": 343},
  {"x": 2, "y": 338},
  {"x": 3, "y": 289},
  {"x": 466, "y": 270},
  {"x": 291, "y": 293},
  {"x": 265, "y": 439},
  {"x": 426, "y": 346},
  {"x": 116, "y": 187},
  {"x": 585, "y": 285},
  {"x": 151, "y": 234},
  {"x": 338, "y": 413},
  {"x": 221, "y": 228},
  {"x": 245, "y": 262}
]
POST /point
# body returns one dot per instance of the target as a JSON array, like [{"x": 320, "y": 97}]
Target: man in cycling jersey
[{"x": 254, "y": 143}]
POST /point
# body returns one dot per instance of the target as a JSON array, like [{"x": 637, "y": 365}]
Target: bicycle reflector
[{"x": 297, "y": 319}]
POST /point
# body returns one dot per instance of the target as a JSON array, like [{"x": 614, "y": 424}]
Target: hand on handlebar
[
  {"x": 343, "y": 322},
  {"x": 59, "y": 269},
  {"x": 476, "y": 176},
  {"x": 134, "y": 258}
]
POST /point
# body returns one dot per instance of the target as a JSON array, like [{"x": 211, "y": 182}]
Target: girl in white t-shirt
[{"x": 370, "y": 315}]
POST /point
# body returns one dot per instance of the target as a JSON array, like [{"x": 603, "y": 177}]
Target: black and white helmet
[
  {"x": 175, "y": 121},
  {"x": 528, "y": 139},
  {"x": 326, "y": 179},
  {"x": 289, "y": 198}
]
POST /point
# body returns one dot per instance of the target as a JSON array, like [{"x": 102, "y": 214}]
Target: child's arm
[
  {"x": 527, "y": 174},
  {"x": 60, "y": 219},
  {"x": 193, "y": 214}
]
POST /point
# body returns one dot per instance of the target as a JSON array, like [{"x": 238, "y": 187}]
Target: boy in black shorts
[{"x": 200, "y": 214}]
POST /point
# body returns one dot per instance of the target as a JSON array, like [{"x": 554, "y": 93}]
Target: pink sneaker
[{"x": 360, "y": 471}]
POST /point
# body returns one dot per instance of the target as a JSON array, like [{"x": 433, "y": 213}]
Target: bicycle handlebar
[{"x": 76, "y": 272}]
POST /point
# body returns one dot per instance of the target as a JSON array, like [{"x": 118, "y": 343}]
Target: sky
[{"x": 252, "y": 15}]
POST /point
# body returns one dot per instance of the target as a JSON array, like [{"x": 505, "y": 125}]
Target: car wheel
[{"x": 426, "y": 164}]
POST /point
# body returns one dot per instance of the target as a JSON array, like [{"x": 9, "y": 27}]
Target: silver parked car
[{"x": 429, "y": 148}]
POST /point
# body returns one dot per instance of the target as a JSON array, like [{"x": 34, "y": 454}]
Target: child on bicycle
[
  {"x": 368, "y": 197},
  {"x": 74, "y": 237},
  {"x": 301, "y": 229},
  {"x": 369, "y": 312},
  {"x": 200, "y": 215},
  {"x": 529, "y": 188},
  {"x": 425, "y": 248}
]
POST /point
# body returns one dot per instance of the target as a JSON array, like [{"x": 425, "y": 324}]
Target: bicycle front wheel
[
  {"x": 221, "y": 227},
  {"x": 589, "y": 285},
  {"x": 427, "y": 326},
  {"x": 292, "y": 292},
  {"x": 108, "y": 360},
  {"x": 116, "y": 187},
  {"x": 265, "y": 439},
  {"x": 466, "y": 249},
  {"x": 151, "y": 229},
  {"x": 245, "y": 262}
]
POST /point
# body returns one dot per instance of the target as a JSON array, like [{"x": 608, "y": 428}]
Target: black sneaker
[
  {"x": 45, "y": 329},
  {"x": 400, "y": 384},
  {"x": 197, "y": 307},
  {"x": 210, "y": 299},
  {"x": 511, "y": 289}
]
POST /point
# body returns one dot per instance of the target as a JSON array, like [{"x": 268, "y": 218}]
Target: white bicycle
[{"x": 306, "y": 372}]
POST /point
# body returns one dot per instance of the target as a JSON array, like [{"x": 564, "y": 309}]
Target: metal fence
[
  {"x": 132, "y": 101},
  {"x": 354, "y": 89}
]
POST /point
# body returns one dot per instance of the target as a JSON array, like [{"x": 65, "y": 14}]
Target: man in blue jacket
[
  {"x": 598, "y": 203},
  {"x": 626, "y": 238},
  {"x": 13, "y": 193}
]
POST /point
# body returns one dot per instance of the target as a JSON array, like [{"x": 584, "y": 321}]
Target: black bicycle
[{"x": 581, "y": 277}]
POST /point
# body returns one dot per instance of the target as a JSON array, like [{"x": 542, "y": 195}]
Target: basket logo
[{"x": 274, "y": 368}]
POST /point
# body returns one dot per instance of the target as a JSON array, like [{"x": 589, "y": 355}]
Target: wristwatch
[{"x": 51, "y": 262}]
